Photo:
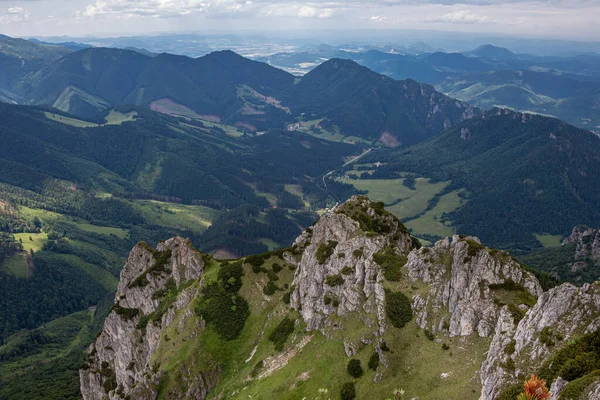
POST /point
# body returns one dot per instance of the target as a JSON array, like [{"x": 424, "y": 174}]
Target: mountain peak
[{"x": 492, "y": 52}]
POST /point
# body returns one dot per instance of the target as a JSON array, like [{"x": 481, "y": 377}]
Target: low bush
[
  {"x": 391, "y": 264},
  {"x": 374, "y": 361},
  {"x": 281, "y": 333},
  {"x": 398, "y": 308},
  {"x": 325, "y": 251},
  {"x": 354, "y": 368},
  {"x": 334, "y": 280},
  {"x": 348, "y": 391}
]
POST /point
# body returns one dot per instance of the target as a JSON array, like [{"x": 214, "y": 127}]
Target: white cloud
[
  {"x": 379, "y": 18},
  {"x": 462, "y": 17},
  {"x": 15, "y": 14}
]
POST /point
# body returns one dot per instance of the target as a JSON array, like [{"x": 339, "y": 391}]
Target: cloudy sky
[{"x": 573, "y": 19}]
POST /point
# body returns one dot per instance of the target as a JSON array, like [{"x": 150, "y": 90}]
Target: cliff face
[
  {"x": 337, "y": 273},
  {"x": 466, "y": 285},
  {"x": 152, "y": 287},
  {"x": 523, "y": 343},
  {"x": 337, "y": 293},
  {"x": 587, "y": 246}
]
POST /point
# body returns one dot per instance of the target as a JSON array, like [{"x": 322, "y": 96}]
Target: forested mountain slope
[
  {"x": 524, "y": 174},
  {"x": 224, "y": 87}
]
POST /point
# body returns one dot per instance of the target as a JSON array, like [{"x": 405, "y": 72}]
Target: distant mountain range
[
  {"x": 227, "y": 88},
  {"x": 486, "y": 77}
]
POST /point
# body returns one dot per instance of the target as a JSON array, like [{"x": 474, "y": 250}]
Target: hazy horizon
[{"x": 572, "y": 20}]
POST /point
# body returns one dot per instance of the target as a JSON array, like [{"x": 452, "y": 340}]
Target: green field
[
  {"x": 195, "y": 218},
  {"x": 113, "y": 118},
  {"x": 102, "y": 230},
  {"x": 117, "y": 118},
  {"x": 413, "y": 202},
  {"x": 37, "y": 242},
  {"x": 17, "y": 264},
  {"x": 50, "y": 217},
  {"x": 390, "y": 190},
  {"x": 430, "y": 222},
  {"x": 230, "y": 130},
  {"x": 549, "y": 240},
  {"x": 70, "y": 121}
]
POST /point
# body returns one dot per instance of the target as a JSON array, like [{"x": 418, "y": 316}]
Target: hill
[
  {"x": 569, "y": 97},
  {"x": 576, "y": 260},
  {"x": 369, "y": 105},
  {"x": 524, "y": 174},
  {"x": 20, "y": 60},
  {"x": 355, "y": 309},
  {"x": 492, "y": 52},
  {"x": 223, "y": 87}
]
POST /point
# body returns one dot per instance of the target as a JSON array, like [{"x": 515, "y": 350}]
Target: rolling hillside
[
  {"x": 572, "y": 98},
  {"x": 524, "y": 173}
]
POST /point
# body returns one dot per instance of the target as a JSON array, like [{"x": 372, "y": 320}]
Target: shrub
[
  {"x": 547, "y": 336},
  {"x": 579, "y": 366},
  {"x": 110, "y": 378},
  {"x": 334, "y": 280},
  {"x": 126, "y": 313},
  {"x": 347, "y": 270},
  {"x": 358, "y": 253},
  {"x": 474, "y": 248},
  {"x": 507, "y": 285},
  {"x": 230, "y": 276},
  {"x": 270, "y": 288},
  {"x": 384, "y": 347},
  {"x": 516, "y": 313},
  {"x": 272, "y": 276},
  {"x": 257, "y": 368},
  {"x": 510, "y": 348},
  {"x": 224, "y": 311},
  {"x": 429, "y": 335},
  {"x": 391, "y": 264},
  {"x": 281, "y": 333},
  {"x": 511, "y": 392},
  {"x": 287, "y": 297},
  {"x": 576, "y": 388},
  {"x": 577, "y": 359},
  {"x": 354, "y": 368},
  {"x": 325, "y": 251},
  {"x": 257, "y": 269},
  {"x": 348, "y": 391},
  {"x": 374, "y": 361},
  {"x": 327, "y": 300},
  {"x": 398, "y": 308},
  {"x": 276, "y": 268},
  {"x": 445, "y": 346},
  {"x": 255, "y": 260}
]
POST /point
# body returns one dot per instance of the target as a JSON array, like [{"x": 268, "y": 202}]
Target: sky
[{"x": 566, "y": 19}]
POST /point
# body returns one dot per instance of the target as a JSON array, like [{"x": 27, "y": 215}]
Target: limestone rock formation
[
  {"x": 337, "y": 273},
  {"x": 464, "y": 279},
  {"x": 520, "y": 347},
  {"x": 120, "y": 361}
]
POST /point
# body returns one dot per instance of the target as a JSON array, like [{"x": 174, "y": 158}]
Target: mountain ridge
[{"x": 460, "y": 293}]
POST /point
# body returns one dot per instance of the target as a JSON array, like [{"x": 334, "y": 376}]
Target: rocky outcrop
[
  {"x": 154, "y": 284},
  {"x": 520, "y": 347},
  {"x": 587, "y": 244},
  {"x": 466, "y": 285},
  {"x": 337, "y": 273}
]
